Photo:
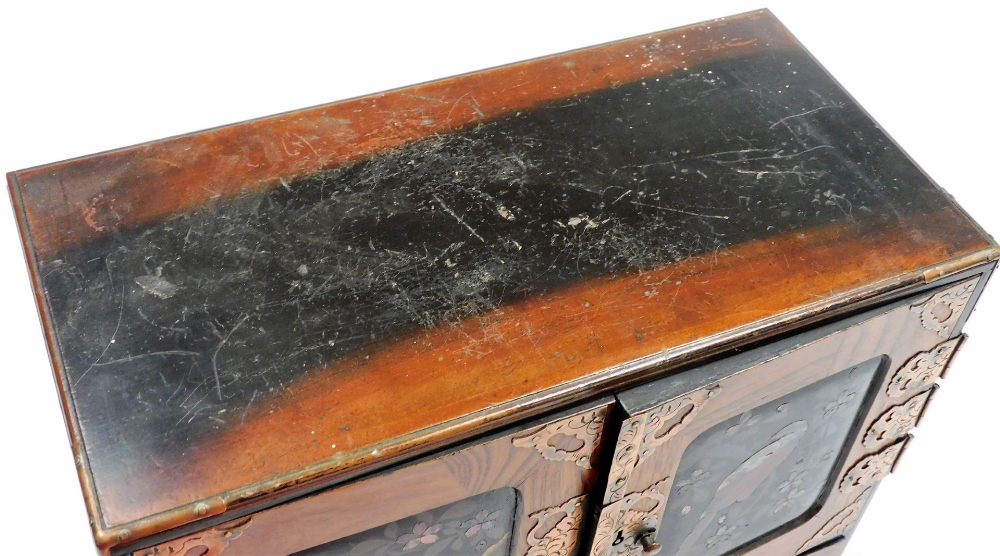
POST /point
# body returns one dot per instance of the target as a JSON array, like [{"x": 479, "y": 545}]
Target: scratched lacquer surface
[{"x": 672, "y": 187}]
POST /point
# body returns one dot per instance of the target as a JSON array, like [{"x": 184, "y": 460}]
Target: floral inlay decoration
[{"x": 479, "y": 525}]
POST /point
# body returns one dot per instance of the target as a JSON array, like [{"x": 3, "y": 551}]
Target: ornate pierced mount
[
  {"x": 897, "y": 421},
  {"x": 643, "y": 433},
  {"x": 873, "y": 468},
  {"x": 838, "y": 524},
  {"x": 556, "y": 530},
  {"x": 626, "y": 524},
  {"x": 580, "y": 435},
  {"x": 923, "y": 369},
  {"x": 941, "y": 312},
  {"x": 205, "y": 543}
]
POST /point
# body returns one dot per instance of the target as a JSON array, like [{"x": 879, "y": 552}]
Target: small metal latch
[{"x": 648, "y": 541}]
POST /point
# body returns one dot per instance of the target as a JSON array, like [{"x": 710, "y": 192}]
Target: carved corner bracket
[
  {"x": 586, "y": 428},
  {"x": 210, "y": 542},
  {"x": 557, "y": 529}
]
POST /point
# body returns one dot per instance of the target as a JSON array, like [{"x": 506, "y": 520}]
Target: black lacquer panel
[
  {"x": 481, "y": 524},
  {"x": 177, "y": 329},
  {"x": 752, "y": 474}
]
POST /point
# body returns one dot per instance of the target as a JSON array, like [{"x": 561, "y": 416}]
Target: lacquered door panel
[{"x": 777, "y": 451}]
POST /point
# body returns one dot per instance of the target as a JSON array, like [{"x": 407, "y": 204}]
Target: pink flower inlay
[{"x": 424, "y": 535}]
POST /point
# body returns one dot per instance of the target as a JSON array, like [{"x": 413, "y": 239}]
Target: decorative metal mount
[
  {"x": 585, "y": 427},
  {"x": 941, "y": 312},
  {"x": 923, "y": 369},
  {"x": 872, "y": 468},
  {"x": 628, "y": 527},
  {"x": 838, "y": 524},
  {"x": 897, "y": 421},
  {"x": 210, "y": 542},
  {"x": 560, "y": 538},
  {"x": 643, "y": 433}
]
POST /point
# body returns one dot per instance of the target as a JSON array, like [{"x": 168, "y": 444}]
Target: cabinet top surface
[{"x": 245, "y": 307}]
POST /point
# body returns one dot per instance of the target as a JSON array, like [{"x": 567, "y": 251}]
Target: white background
[{"x": 80, "y": 79}]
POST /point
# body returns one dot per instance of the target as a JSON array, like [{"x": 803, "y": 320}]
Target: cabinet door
[
  {"x": 517, "y": 493},
  {"x": 777, "y": 451}
]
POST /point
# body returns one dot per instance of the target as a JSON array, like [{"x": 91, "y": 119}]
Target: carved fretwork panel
[
  {"x": 210, "y": 542},
  {"x": 580, "y": 436}
]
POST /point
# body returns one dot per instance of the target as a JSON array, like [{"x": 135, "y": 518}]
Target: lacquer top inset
[{"x": 306, "y": 294}]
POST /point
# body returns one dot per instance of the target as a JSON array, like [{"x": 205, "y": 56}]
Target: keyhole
[{"x": 619, "y": 539}]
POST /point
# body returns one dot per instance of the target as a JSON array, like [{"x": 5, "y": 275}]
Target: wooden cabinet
[{"x": 677, "y": 293}]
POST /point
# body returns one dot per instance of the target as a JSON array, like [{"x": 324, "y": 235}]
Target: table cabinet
[{"x": 677, "y": 294}]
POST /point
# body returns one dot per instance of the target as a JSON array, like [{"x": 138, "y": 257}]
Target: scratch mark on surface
[
  {"x": 121, "y": 311},
  {"x": 658, "y": 207},
  {"x": 89, "y": 212},
  {"x": 620, "y": 197},
  {"x": 472, "y": 103},
  {"x": 308, "y": 144},
  {"x": 762, "y": 173},
  {"x": 215, "y": 355},
  {"x": 193, "y": 407},
  {"x": 423, "y": 97},
  {"x": 457, "y": 217},
  {"x": 806, "y": 113},
  {"x": 247, "y": 409},
  {"x": 144, "y": 355}
]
